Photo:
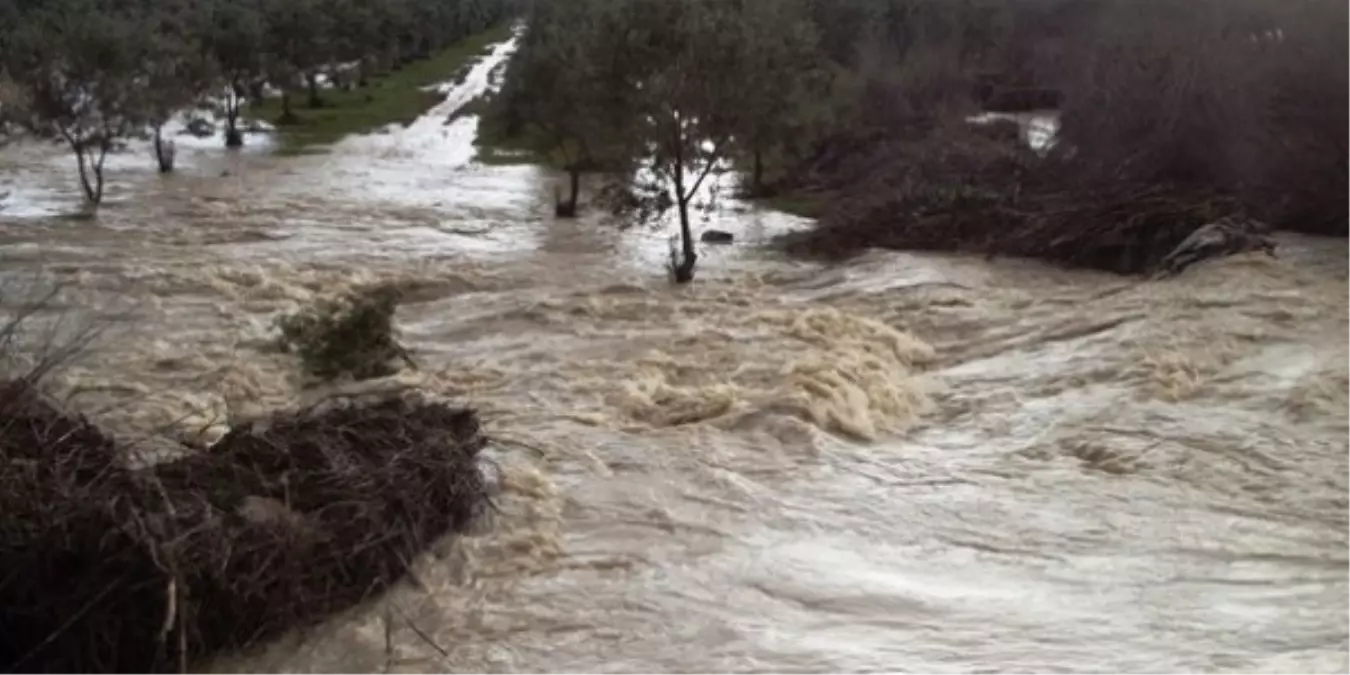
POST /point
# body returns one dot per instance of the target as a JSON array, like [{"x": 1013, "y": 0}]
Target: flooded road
[{"x": 910, "y": 462}]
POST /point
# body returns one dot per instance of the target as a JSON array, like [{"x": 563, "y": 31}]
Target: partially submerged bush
[
  {"x": 1303, "y": 174},
  {"x": 942, "y": 174},
  {"x": 960, "y": 190},
  {"x": 352, "y": 335},
  {"x": 1174, "y": 115},
  {"x": 282, "y": 523}
]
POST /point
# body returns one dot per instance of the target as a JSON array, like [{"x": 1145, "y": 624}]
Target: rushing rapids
[{"x": 911, "y": 462}]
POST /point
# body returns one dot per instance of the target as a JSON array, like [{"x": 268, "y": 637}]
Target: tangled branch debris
[
  {"x": 964, "y": 191},
  {"x": 282, "y": 523}
]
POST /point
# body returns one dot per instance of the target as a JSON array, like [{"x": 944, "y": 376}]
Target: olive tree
[
  {"x": 177, "y": 70},
  {"x": 779, "y": 68},
  {"x": 566, "y": 91},
  {"x": 689, "y": 104},
  {"x": 233, "y": 39},
  {"x": 78, "y": 69}
]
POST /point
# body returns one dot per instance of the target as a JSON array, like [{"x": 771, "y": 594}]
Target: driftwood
[
  {"x": 1224, "y": 237},
  {"x": 716, "y": 237}
]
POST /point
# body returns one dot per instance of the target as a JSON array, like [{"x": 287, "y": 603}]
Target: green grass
[
  {"x": 490, "y": 145},
  {"x": 495, "y": 148},
  {"x": 394, "y": 98}
]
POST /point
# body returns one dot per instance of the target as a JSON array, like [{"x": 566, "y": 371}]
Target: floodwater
[{"x": 909, "y": 462}]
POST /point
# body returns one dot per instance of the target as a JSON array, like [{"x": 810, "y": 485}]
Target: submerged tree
[
  {"x": 233, "y": 39},
  {"x": 297, "y": 41},
  {"x": 779, "y": 65},
  {"x": 672, "y": 87},
  {"x": 79, "y": 69},
  {"x": 177, "y": 70},
  {"x": 568, "y": 101},
  {"x": 688, "y": 108}
]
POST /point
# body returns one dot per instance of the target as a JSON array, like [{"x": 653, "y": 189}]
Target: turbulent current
[{"x": 908, "y": 462}]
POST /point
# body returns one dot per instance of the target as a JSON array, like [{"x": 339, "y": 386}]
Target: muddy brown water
[{"x": 910, "y": 462}]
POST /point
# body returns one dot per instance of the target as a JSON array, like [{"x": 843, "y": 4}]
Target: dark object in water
[
  {"x": 165, "y": 152},
  {"x": 199, "y": 127},
  {"x": 281, "y": 524},
  {"x": 565, "y": 208},
  {"x": 1224, "y": 237},
  {"x": 716, "y": 237}
]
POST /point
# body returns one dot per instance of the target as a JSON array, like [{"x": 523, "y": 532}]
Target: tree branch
[{"x": 713, "y": 158}]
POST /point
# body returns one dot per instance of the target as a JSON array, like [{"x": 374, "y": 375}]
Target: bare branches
[
  {"x": 31, "y": 348},
  {"x": 283, "y": 524}
]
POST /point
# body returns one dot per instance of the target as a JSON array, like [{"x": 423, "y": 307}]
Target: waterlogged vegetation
[
  {"x": 1171, "y": 115},
  {"x": 1181, "y": 125},
  {"x": 93, "y": 73},
  {"x": 853, "y": 112}
]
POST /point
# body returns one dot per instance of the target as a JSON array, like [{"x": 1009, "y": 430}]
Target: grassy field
[{"x": 394, "y": 98}]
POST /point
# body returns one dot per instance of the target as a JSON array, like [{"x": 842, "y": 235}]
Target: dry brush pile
[
  {"x": 1174, "y": 115},
  {"x": 957, "y": 189},
  {"x": 283, "y": 522}
]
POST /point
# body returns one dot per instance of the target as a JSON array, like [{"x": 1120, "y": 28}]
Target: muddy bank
[{"x": 279, "y": 525}]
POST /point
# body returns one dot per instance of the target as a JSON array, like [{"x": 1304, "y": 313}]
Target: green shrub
[{"x": 352, "y": 335}]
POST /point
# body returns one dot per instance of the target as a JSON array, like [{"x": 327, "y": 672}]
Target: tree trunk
[
  {"x": 91, "y": 197},
  {"x": 91, "y": 172},
  {"x": 287, "y": 115},
  {"x": 684, "y": 269},
  {"x": 164, "y": 154},
  {"x": 757, "y": 180},
  {"x": 233, "y": 139},
  {"x": 103, "y": 146},
  {"x": 574, "y": 177},
  {"x": 315, "y": 101},
  {"x": 363, "y": 68}
]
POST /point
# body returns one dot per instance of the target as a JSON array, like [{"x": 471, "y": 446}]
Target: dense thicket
[
  {"x": 282, "y": 524},
  {"x": 1182, "y": 111},
  {"x": 154, "y": 553},
  {"x": 92, "y": 72}
]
